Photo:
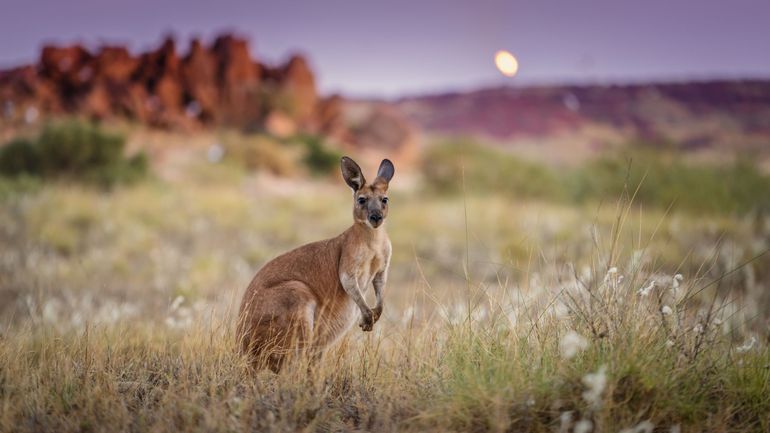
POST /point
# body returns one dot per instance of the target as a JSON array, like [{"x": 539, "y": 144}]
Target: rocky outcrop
[
  {"x": 220, "y": 84},
  {"x": 216, "y": 85}
]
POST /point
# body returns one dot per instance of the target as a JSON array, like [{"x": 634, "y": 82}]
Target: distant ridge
[{"x": 689, "y": 113}]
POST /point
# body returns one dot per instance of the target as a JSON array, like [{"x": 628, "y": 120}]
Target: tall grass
[
  {"x": 632, "y": 366},
  {"x": 615, "y": 346},
  {"x": 117, "y": 313}
]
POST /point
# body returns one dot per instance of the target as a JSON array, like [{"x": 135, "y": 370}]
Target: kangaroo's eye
[
  {"x": 361, "y": 200},
  {"x": 384, "y": 200}
]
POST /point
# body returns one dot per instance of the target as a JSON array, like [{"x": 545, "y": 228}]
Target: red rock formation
[
  {"x": 63, "y": 65},
  {"x": 297, "y": 85},
  {"x": 220, "y": 84},
  {"x": 113, "y": 64},
  {"x": 238, "y": 78},
  {"x": 199, "y": 77},
  {"x": 331, "y": 118},
  {"x": 22, "y": 89}
]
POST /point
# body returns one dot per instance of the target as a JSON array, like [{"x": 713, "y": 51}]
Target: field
[{"x": 506, "y": 309}]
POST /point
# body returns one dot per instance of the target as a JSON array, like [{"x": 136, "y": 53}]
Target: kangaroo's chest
[
  {"x": 342, "y": 313},
  {"x": 362, "y": 262},
  {"x": 367, "y": 263}
]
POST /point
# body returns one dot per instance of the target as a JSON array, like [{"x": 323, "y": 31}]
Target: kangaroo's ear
[
  {"x": 351, "y": 172},
  {"x": 385, "y": 172}
]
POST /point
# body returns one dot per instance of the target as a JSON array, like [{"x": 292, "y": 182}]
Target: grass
[
  {"x": 664, "y": 177},
  {"x": 117, "y": 312},
  {"x": 485, "y": 373},
  {"x": 735, "y": 188}
]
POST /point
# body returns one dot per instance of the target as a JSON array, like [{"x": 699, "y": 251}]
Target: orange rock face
[
  {"x": 219, "y": 84},
  {"x": 238, "y": 82}
]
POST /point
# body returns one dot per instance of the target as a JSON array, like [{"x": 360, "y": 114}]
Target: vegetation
[
  {"x": 606, "y": 352},
  {"x": 282, "y": 157},
  {"x": 319, "y": 157},
  {"x": 260, "y": 152},
  {"x": 663, "y": 178},
  {"x": 666, "y": 179},
  {"x": 72, "y": 150},
  {"x": 123, "y": 306},
  {"x": 467, "y": 377},
  {"x": 456, "y": 164},
  {"x": 118, "y": 308}
]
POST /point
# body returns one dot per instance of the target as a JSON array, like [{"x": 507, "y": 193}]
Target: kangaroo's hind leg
[{"x": 280, "y": 324}]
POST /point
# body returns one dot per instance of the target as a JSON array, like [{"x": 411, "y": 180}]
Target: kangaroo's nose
[{"x": 375, "y": 218}]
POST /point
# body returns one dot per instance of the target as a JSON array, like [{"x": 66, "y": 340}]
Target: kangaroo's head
[{"x": 370, "y": 200}]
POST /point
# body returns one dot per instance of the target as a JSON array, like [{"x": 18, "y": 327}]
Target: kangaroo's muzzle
[{"x": 375, "y": 219}]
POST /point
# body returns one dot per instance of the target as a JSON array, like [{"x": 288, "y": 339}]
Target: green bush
[
  {"x": 319, "y": 157},
  {"x": 20, "y": 157},
  {"x": 451, "y": 164},
  {"x": 665, "y": 178},
  {"x": 72, "y": 150},
  {"x": 659, "y": 178}
]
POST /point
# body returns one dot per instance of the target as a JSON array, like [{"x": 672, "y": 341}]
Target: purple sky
[{"x": 393, "y": 47}]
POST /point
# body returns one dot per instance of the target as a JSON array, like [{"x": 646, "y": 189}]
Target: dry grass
[
  {"x": 117, "y": 314},
  {"x": 600, "y": 353}
]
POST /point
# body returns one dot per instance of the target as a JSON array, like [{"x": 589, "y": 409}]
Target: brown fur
[{"x": 307, "y": 298}]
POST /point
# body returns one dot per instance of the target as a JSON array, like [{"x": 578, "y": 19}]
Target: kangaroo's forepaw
[
  {"x": 376, "y": 313},
  {"x": 367, "y": 320}
]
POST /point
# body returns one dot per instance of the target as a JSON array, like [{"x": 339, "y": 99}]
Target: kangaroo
[{"x": 307, "y": 298}]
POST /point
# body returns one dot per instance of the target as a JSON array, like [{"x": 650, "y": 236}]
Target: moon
[{"x": 506, "y": 63}]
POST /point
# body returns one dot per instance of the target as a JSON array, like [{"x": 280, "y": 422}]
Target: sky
[{"x": 391, "y": 48}]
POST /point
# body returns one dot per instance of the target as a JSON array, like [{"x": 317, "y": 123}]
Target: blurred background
[{"x": 153, "y": 155}]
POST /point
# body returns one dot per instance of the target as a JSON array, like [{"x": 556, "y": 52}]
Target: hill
[{"x": 718, "y": 115}]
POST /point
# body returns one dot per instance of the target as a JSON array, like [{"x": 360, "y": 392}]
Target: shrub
[
  {"x": 319, "y": 157},
  {"x": 74, "y": 151},
  {"x": 20, "y": 157}
]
